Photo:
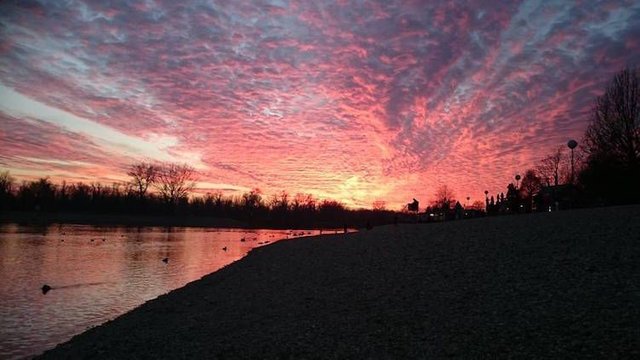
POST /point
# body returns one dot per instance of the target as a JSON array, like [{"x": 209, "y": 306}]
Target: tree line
[{"x": 164, "y": 189}]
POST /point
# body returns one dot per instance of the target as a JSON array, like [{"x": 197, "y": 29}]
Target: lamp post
[
  {"x": 572, "y": 145},
  {"x": 517, "y": 180}
]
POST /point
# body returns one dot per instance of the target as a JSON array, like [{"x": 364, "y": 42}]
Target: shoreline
[{"x": 550, "y": 284}]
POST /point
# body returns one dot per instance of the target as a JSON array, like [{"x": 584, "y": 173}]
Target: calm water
[{"x": 98, "y": 273}]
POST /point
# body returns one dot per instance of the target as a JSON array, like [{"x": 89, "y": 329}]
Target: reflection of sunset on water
[{"x": 97, "y": 274}]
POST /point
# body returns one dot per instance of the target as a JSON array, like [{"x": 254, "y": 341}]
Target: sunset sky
[{"x": 350, "y": 100}]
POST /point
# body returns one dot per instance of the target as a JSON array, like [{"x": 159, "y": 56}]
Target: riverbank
[{"x": 553, "y": 285}]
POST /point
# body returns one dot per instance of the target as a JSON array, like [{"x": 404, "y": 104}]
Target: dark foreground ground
[{"x": 552, "y": 285}]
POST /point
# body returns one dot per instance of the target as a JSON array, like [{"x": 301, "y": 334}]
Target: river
[{"x": 99, "y": 273}]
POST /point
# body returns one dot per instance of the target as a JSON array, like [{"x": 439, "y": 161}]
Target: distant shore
[{"x": 553, "y": 285}]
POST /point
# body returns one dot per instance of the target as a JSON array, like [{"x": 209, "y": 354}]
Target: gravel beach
[{"x": 548, "y": 285}]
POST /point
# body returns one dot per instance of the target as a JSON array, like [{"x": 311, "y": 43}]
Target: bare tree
[
  {"x": 330, "y": 207},
  {"x": 379, "y": 205},
  {"x": 217, "y": 197},
  {"x": 445, "y": 199},
  {"x": 551, "y": 167},
  {"x": 530, "y": 184},
  {"x": 175, "y": 181},
  {"x": 6, "y": 183},
  {"x": 6, "y": 189},
  {"x": 252, "y": 199},
  {"x": 297, "y": 202},
  {"x": 611, "y": 173},
  {"x": 142, "y": 176},
  {"x": 280, "y": 201},
  {"x": 284, "y": 200},
  {"x": 304, "y": 202},
  {"x": 478, "y": 205},
  {"x": 614, "y": 131}
]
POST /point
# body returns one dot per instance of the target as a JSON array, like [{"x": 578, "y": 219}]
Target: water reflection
[{"x": 98, "y": 273}]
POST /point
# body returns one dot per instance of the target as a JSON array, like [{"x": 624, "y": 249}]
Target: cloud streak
[{"x": 355, "y": 101}]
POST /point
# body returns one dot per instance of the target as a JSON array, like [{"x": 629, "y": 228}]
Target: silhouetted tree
[
  {"x": 297, "y": 202},
  {"x": 174, "y": 182},
  {"x": 479, "y": 205},
  {"x": 280, "y": 201},
  {"x": 614, "y": 131},
  {"x": 458, "y": 211},
  {"x": 612, "y": 141},
  {"x": 513, "y": 199},
  {"x": 6, "y": 182},
  {"x": 331, "y": 210},
  {"x": 307, "y": 204},
  {"x": 142, "y": 176},
  {"x": 6, "y": 189},
  {"x": 378, "y": 205},
  {"x": 217, "y": 197},
  {"x": 529, "y": 186},
  {"x": 37, "y": 195},
  {"x": 550, "y": 168},
  {"x": 444, "y": 198},
  {"x": 252, "y": 200}
]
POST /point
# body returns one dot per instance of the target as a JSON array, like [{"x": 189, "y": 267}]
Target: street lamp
[
  {"x": 572, "y": 145},
  {"x": 517, "y": 180}
]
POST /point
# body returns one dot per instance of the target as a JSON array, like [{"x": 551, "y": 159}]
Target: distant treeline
[{"x": 252, "y": 208}]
